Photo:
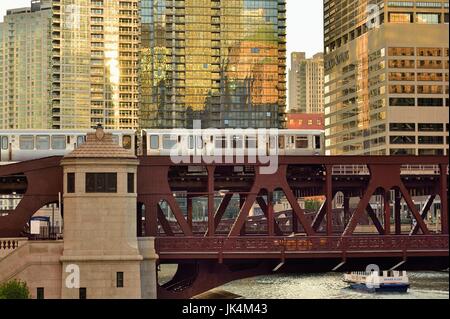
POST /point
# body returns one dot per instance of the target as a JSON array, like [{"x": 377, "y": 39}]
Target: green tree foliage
[{"x": 14, "y": 289}]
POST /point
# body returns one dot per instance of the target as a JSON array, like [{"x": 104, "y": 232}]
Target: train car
[
  {"x": 283, "y": 143},
  {"x": 24, "y": 145}
]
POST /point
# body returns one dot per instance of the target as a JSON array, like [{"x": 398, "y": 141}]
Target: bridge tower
[{"x": 100, "y": 238}]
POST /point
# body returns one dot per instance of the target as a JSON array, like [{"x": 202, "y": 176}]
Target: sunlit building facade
[
  {"x": 25, "y": 55},
  {"x": 95, "y": 64},
  {"x": 386, "y": 77},
  {"x": 306, "y": 83},
  {"x": 219, "y": 61}
]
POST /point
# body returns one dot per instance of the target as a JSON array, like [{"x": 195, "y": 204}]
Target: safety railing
[{"x": 300, "y": 244}]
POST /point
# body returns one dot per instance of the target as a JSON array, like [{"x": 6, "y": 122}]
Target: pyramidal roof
[{"x": 100, "y": 144}]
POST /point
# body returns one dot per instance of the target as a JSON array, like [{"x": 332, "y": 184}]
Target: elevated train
[{"x": 23, "y": 145}]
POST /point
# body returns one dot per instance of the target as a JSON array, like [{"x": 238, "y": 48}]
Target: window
[
  {"x": 428, "y": 18},
  {"x": 81, "y": 140},
  {"x": 431, "y": 127},
  {"x": 251, "y": 142},
  {"x": 40, "y": 293},
  {"x": 402, "y": 102},
  {"x": 402, "y": 151},
  {"x": 401, "y": 51},
  {"x": 403, "y": 140},
  {"x": 430, "y": 102},
  {"x": 431, "y": 152},
  {"x": 301, "y": 142},
  {"x": 318, "y": 142},
  {"x": 42, "y": 142},
  {"x": 154, "y": 142},
  {"x": 4, "y": 142},
  {"x": 83, "y": 293},
  {"x": 221, "y": 142},
  {"x": 26, "y": 142},
  {"x": 238, "y": 142},
  {"x": 130, "y": 183},
  {"x": 71, "y": 183},
  {"x": 431, "y": 140},
  {"x": 169, "y": 142},
  {"x": 58, "y": 142},
  {"x": 403, "y": 127},
  {"x": 126, "y": 142},
  {"x": 398, "y": 17},
  {"x": 119, "y": 280},
  {"x": 101, "y": 182}
]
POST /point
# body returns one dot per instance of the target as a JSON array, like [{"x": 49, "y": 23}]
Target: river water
[{"x": 424, "y": 285}]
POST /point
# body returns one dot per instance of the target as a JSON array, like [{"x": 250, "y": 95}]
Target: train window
[
  {"x": 272, "y": 142},
  {"x": 81, "y": 140},
  {"x": 238, "y": 142},
  {"x": 199, "y": 143},
  {"x": 4, "y": 142},
  {"x": 116, "y": 139},
  {"x": 191, "y": 140},
  {"x": 154, "y": 142},
  {"x": 281, "y": 142},
  {"x": 301, "y": 142},
  {"x": 59, "y": 142},
  {"x": 169, "y": 141},
  {"x": 251, "y": 142},
  {"x": 26, "y": 142},
  {"x": 42, "y": 142},
  {"x": 221, "y": 142},
  {"x": 126, "y": 142},
  {"x": 317, "y": 142}
]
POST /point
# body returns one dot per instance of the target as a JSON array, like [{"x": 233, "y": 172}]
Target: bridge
[{"x": 224, "y": 248}]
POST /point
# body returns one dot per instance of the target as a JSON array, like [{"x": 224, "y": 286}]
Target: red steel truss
[{"x": 223, "y": 249}]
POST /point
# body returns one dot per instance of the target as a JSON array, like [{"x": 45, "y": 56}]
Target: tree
[{"x": 14, "y": 289}]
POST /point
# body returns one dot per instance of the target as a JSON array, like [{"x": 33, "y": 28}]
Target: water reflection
[{"x": 425, "y": 285}]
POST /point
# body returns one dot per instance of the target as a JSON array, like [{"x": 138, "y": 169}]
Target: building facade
[
  {"x": 222, "y": 62},
  {"x": 25, "y": 55},
  {"x": 386, "y": 77},
  {"x": 94, "y": 64},
  {"x": 306, "y": 83}
]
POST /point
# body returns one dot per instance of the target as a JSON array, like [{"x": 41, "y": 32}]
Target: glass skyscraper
[
  {"x": 94, "y": 64},
  {"x": 219, "y": 61},
  {"x": 25, "y": 53}
]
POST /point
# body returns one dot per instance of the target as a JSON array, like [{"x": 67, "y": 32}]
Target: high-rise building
[
  {"x": 95, "y": 63},
  {"x": 25, "y": 55},
  {"x": 306, "y": 83},
  {"x": 219, "y": 61},
  {"x": 386, "y": 77}
]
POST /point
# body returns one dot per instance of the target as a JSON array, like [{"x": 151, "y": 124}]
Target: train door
[{"x": 4, "y": 148}]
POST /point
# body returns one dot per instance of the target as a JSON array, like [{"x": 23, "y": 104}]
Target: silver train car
[
  {"x": 24, "y": 145},
  {"x": 283, "y": 143}
]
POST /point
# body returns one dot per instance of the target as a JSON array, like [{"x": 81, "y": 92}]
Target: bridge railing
[
  {"x": 300, "y": 244},
  {"x": 345, "y": 170}
]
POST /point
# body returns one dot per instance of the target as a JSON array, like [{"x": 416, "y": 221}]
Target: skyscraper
[
  {"x": 25, "y": 54},
  {"x": 221, "y": 61},
  {"x": 386, "y": 77},
  {"x": 94, "y": 63},
  {"x": 306, "y": 83}
]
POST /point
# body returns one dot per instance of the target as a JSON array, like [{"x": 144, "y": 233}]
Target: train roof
[{"x": 184, "y": 131}]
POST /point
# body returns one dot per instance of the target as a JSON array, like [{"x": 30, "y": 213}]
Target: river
[{"x": 424, "y": 285}]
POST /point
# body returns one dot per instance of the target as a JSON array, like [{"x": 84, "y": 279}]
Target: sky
[{"x": 305, "y": 24}]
